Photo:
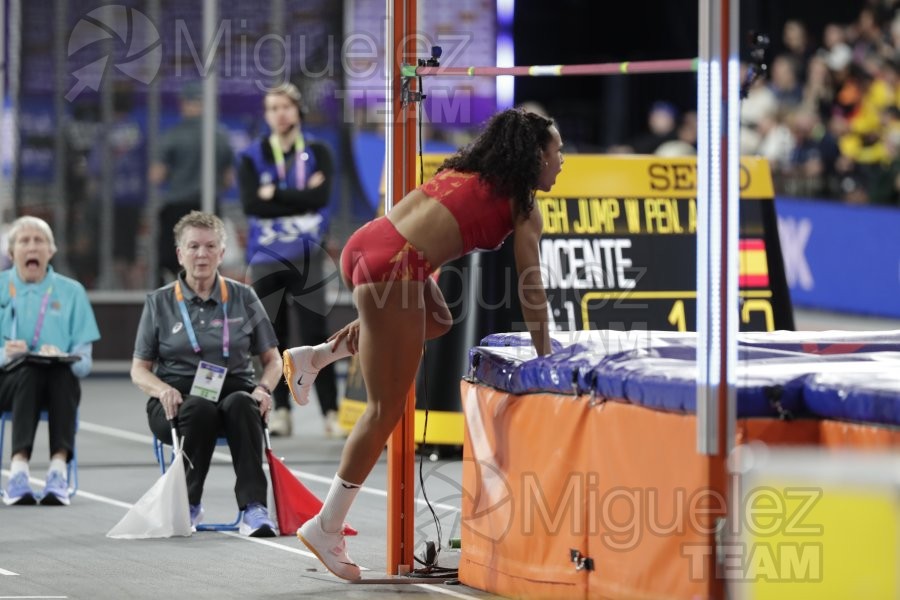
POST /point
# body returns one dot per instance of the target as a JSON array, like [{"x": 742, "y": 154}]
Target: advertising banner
[{"x": 841, "y": 257}]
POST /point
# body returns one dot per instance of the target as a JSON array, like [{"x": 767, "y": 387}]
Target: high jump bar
[{"x": 677, "y": 65}]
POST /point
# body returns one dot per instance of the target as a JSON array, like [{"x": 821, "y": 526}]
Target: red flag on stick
[{"x": 294, "y": 503}]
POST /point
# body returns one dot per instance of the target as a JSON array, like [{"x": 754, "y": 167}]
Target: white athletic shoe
[
  {"x": 330, "y": 548},
  {"x": 299, "y": 372}
]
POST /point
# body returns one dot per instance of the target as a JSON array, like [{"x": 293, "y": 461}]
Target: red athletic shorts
[{"x": 377, "y": 253}]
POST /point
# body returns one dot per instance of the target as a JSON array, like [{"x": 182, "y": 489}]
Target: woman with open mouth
[{"x": 49, "y": 328}]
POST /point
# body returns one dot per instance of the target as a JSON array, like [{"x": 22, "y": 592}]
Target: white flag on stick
[{"x": 163, "y": 511}]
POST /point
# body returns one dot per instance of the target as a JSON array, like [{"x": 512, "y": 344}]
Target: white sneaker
[
  {"x": 330, "y": 548},
  {"x": 299, "y": 372},
  {"x": 332, "y": 426},
  {"x": 280, "y": 423}
]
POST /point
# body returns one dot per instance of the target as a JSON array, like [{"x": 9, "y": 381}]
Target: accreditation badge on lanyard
[
  {"x": 210, "y": 377},
  {"x": 208, "y": 381}
]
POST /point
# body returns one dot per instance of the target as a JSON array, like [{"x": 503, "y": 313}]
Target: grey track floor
[{"x": 62, "y": 552}]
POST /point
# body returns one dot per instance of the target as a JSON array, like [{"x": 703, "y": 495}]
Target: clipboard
[{"x": 36, "y": 358}]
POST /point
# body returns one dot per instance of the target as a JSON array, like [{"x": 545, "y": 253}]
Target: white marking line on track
[
  {"x": 272, "y": 544},
  {"x": 265, "y": 542},
  {"x": 443, "y": 590},
  {"x": 113, "y": 432},
  {"x": 8, "y": 573},
  {"x": 146, "y": 439},
  {"x": 226, "y": 457},
  {"x": 104, "y": 499}
]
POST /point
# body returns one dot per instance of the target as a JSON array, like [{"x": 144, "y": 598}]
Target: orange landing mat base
[{"x": 546, "y": 474}]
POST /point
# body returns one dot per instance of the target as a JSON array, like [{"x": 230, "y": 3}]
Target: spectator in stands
[
  {"x": 775, "y": 143},
  {"x": 178, "y": 166},
  {"x": 661, "y": 121},
  {"x": 685, "y": 144},
  {"x": 795, "y": 38},
  {"x": 784, "y": 83},
  {"x": 804, "y": 172},
  {"x": 857, "y": 101},
  {"x": 818, "y": 90},
  {"x": 201, "y": 322},
  {"x": 892, "y": 49},
  {"x": 869, "y": 36},
  {"x": 47, "y": 315},
  {"x": 834, "y": 35},
  {"x": 847, "y": 179},
  {"x": 884, "y": 184}
]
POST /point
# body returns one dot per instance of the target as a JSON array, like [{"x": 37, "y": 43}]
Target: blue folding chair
[
  {"x": 72, "y": 466},
  {"x": 160, "y": 458}
]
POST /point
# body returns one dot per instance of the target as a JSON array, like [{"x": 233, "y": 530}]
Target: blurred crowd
[{"x": 827, "y": 115}]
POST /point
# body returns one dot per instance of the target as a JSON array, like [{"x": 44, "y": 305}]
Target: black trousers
[
  {"x": 200, "y": 422},
  {"x": 28, "y": 389},
  {"x": 297, "y": 296}
]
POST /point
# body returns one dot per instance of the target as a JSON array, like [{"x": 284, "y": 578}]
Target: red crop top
[{"x": 484, "y": 218}]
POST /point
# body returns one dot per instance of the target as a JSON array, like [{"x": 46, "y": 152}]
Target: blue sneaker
[
  {"x": 196, "y": 515},
  {"x": 18, "y": 491},
  {"x": 56, "y": 491},
  {"x": 256, "y": 522}
]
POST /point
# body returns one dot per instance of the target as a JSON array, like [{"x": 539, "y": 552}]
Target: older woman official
[
  {"x": 47, "y": 314},
  {"x": 192, "y": 356}
]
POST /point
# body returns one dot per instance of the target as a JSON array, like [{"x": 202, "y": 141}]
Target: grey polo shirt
[
  {"x": 162, "y": 337},
  {"x": 180, "y": 150}
]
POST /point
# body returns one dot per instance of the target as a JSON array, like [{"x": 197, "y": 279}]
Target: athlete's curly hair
[{"x": 507, "y": 155}]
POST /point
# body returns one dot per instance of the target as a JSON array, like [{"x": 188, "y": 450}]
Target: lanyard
[
  {"x": 40, "y": 318},
  {"x": 299, "y": 163},
  {"x": 186, "y": 319}
]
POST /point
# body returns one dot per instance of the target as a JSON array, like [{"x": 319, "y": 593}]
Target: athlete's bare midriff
[{"x": 429, "y": 226}]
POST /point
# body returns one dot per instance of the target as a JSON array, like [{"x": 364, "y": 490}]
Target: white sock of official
[
  {"x": 18, "y": 466},
  {"x": 337, "y": 505},
  {"x": 58, "y": 465}
]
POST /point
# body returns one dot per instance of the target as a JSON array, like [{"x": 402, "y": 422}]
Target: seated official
[
  {"x": 48, "y": 315},
  {"x": 193, "y": 357}
]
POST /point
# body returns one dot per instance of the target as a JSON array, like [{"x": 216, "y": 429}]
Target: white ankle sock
[
  {"x": 323, "y": 355},
  {"x": 337, "y": 505},
  {"x": 18, "y": 466},
  {"x": 58, "y": 465}
]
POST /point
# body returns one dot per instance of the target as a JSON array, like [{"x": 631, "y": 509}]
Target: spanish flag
[{"x": 754, "y": 271}]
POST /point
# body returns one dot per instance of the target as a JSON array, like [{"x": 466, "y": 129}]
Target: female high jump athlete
[{"x": 479, "y": 196}]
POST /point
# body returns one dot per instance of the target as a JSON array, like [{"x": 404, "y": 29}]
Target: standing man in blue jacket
[{"x": 285, "y": 184}]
